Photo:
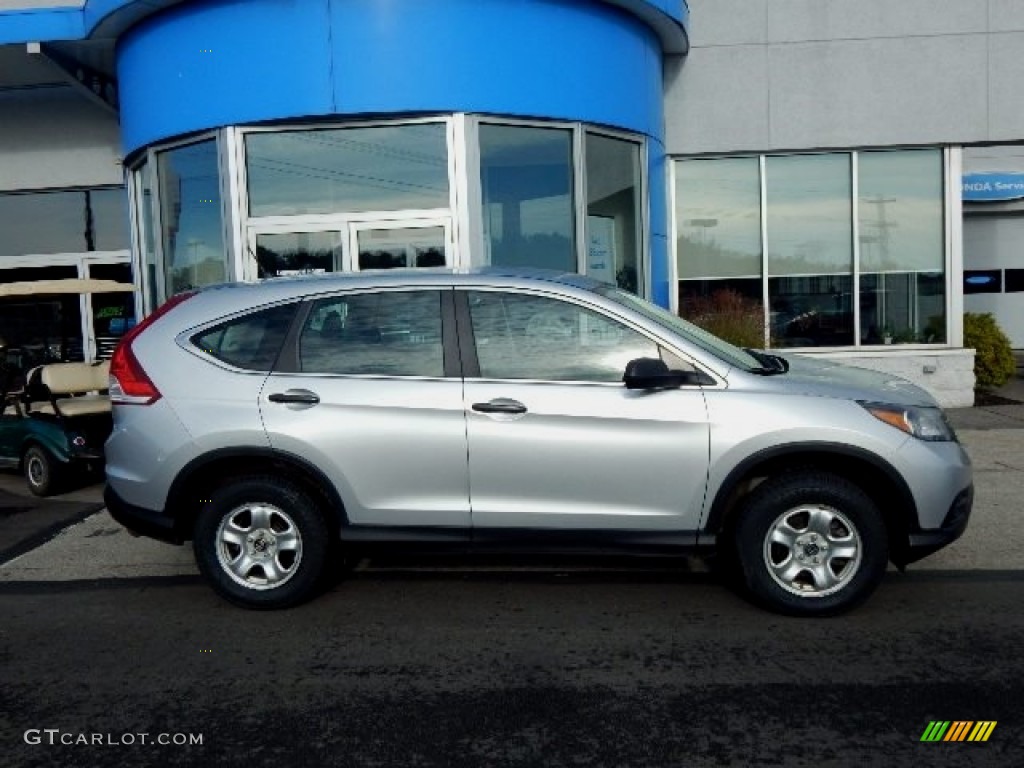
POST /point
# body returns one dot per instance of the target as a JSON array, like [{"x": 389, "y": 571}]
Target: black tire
[
  {"x": 43, "y": 473},
  {"x": 810, "y": 543},
  {"x": 255, "y": 517}
]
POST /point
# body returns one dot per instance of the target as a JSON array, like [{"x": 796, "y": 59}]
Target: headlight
[{"x": 923, "y": 423}]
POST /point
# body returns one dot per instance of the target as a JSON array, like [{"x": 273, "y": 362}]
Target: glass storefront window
[
  {"x": 190, "y": 215},
  {"x": 59, "y": 223},
  {"x": 809, "y": 255},
  {"x": 902, "y": 254},
  {"x": 401, "y": 247},
  {"x": 718, "y": 218},
  {"x": 43, "y": 328},
  {"x": 297, "y": 253},
  {"x": 387, "y": 168},
  {"x": 809, "y": 229},
  {"x": 526, "y": 177},
  {"x": 380, "y": 196},
  {"x": 613, "y": 211},
  {"x": 71, "y": 221},
  {"x": 109, "y": 213}
]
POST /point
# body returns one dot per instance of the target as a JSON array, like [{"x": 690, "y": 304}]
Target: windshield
[{"x": 711, "y": 344}]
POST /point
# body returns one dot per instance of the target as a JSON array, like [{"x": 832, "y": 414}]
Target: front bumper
[
  {"x": 144, "y": 522},
  {"x": 922, "y": 543}
]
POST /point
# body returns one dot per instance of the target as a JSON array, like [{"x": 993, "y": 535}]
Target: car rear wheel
[
  {"x": 262, "y": 543},
  {"x": 810, "y": 544},
  {"x": 42, "y": 471}
]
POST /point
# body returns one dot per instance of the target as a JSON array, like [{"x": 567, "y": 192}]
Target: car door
[
  {"x": 556, "y": 440},
  {"x": 366, "y": 391}
]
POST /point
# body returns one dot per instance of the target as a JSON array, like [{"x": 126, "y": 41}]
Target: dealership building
[{"x": 848, "y": 170}]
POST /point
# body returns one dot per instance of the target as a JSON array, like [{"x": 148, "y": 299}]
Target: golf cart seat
[{"x": 75, "y": 389}]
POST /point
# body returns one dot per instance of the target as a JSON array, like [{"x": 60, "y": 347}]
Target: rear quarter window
[{"x": 251, "y": 342}]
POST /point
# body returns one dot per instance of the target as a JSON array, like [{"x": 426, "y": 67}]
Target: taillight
[{"x": 129, "y": 382}]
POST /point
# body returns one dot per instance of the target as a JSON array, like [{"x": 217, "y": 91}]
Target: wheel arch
[
  {"x": 872, "y": 474},
  {"x": 57, "y": 451},
  {"x": 195, "y": 482}
]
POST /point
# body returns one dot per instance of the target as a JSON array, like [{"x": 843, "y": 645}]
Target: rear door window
[
  {"x": 385, "y": 333},
  {"x": 252, "y": 341}
]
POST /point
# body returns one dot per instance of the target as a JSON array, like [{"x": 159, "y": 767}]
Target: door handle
[
  {"x": 301, "y": 396},
  {"x": 500, "y": 405}
]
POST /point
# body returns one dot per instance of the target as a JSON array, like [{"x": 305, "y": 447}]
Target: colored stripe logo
[{"x": 958, "y": 730}]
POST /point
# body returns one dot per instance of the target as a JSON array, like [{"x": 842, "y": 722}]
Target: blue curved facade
[
  {"x": 207, "y": 64},
  {"x": 203, "y": 65}
]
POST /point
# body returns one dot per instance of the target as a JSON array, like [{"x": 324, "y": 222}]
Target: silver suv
[{"x": 275, "y": 424}]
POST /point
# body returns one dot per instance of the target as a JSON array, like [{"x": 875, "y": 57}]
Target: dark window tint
[
  {"x": 520, "y": 336},
  {"x": 384, "y": 334},
  {"x": 250, "y": 342},
  {"x": 72, "y": 221},
  {"x": 1014, "y": 280}
]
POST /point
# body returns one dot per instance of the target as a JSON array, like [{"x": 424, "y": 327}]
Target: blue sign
[{"x": 993, "y": 187}]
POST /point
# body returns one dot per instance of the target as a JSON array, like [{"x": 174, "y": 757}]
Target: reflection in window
[
  {"x": 396, "y": 247},
  {"x": 809, "y": 249},
  {"x": 809, "y": 228},
  {"x": 381, "y": 334},
  {"x": 146, "y": 234},
  {"x": 527, "y": 182},
  {"x": 252, "y": 341},
  {"x": 613, "y": 211},
  {"x": 386, "y": 168},
  {"x": 190, "y": 214},
  {"x": 718, "y": 217},
  {"x": 113, "y": 314},
  {"x": 40, "y": 329},
  {"x": 74, "y": 221},
  {"x": 530, "y": 337},
  {"x": 108, "y": 210},
  {"x": 297, "y": 253},
  {"x": 902, "y": 250}
]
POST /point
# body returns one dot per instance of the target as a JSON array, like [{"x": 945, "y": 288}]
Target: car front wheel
[
  {"x": 810, "y": 544},
  {"x": 262, "y": 543}
]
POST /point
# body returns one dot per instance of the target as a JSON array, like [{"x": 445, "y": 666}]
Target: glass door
[
  {"x": 401, "y": 243},
  {"x": 110, "y": 314},
  {"x": 279, "y": 252}
]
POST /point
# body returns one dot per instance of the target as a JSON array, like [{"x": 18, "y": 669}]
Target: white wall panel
[
  {"x": 847, "y": 73},
  {"x": 53, "y": 137},
  {"x": 816, "y": 20},
  {"x": 1006, "y": 15},
  {"x": 876, "y": 92},
  {"x": 719, "y": 100},
  {"x": 1006, "y": 86}
]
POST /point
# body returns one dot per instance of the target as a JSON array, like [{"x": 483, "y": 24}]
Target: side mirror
[{"x": 653, "y": 373}]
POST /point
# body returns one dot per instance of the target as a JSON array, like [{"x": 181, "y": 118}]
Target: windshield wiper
[{"x": 771, "y": 365}]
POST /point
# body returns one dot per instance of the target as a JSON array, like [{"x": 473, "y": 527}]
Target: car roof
[{"x": 499, "y": 276}]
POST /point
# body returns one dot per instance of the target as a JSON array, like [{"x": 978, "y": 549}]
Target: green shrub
[
  {"x": 994, "y": 363},
  {"x": 729, "y": 315}
]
